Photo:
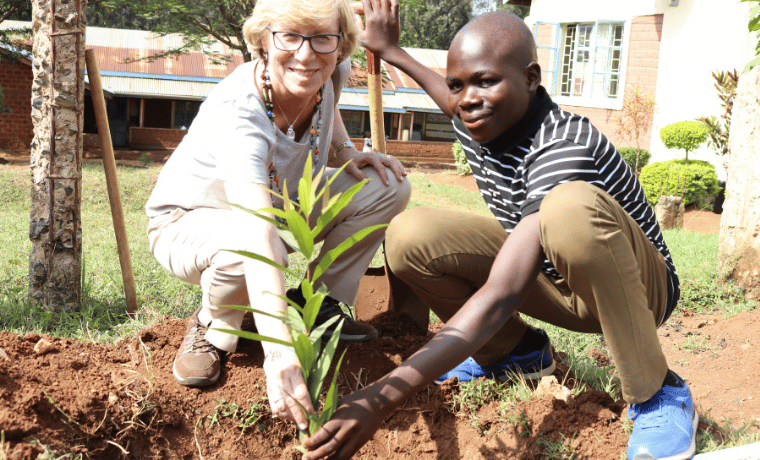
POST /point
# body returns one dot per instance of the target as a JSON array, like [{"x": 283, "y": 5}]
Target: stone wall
[{"x": 16, "y": 129}]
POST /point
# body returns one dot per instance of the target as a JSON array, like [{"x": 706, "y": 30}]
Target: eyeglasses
[{"x": 292, "y": 41}]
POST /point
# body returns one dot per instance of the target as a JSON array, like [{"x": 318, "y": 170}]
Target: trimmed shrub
[
  {"x": 686, "y": 135},
  {"x": 629, "y": 156},
  {"x": 698, "y": 178},
  {"x": 463, "y": 167}
]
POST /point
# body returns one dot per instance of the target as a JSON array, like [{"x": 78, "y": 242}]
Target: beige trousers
[
  {"x": 191, "y": 245},
  {"x": 614, "y": 279}
]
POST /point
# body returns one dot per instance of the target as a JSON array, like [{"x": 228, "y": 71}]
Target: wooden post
[
  {"x": 375, "y": 88},
  {"x": 112, "y": 182}
]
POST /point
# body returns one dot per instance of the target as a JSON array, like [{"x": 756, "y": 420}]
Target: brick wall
[
  {"x": 155, "y": 138},
  {"x": 16, "y": 129},
  {"x": 419, "y": 151}
]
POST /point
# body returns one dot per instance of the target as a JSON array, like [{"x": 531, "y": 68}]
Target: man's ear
[{"x": 533, "y": 72}]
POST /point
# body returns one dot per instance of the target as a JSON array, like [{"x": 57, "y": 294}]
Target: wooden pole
[
  {"x": 375, "y": 87},
  {"x": 112, "y": 182}
]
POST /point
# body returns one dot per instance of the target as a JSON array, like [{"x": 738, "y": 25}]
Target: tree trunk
[
  {"x": 739, "y": 250},
  {"x": 56, "y": 154}
]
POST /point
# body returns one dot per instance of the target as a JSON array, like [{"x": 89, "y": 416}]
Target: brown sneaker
[
  {"x": 198, "y": 363},
  {"x": 352, "y": 330}
]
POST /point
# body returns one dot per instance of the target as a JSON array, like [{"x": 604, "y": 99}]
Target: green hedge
[
  {"x": 463, "y": 168},
  {"x": 629, "y": 155},
  {"x": 698, "y": 177},
  {"x": 685, "y": 135}
]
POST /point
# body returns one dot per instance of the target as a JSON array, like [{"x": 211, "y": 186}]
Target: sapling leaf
[
  {"x": 334, "y": 253},
  {"x": 258, "y": 213},
  {"x": 301, "y": 232},
  {"x": 315, "y": 184},
  {"x": 304, "y": 189},
  {"x": 334, "y": 207},
  {"x": 295, "y": 322},
  {"x": 305, "y": 353},
  {"x": 281, "y": 316},
  {"x": 253, "y": 255},
  {"x": 316, "y": 334},
  {"x": 311, "y": 309},
  {"x": 307, "y": 289},
  {"x": 323, "y": 365},
  {"x": 326, "y": 188},
  {"x": 331, "y": 399}
]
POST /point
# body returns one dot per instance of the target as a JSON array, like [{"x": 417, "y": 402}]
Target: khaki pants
[
  {"x": 191, "y": 245},
  {"x": 614, "y": 279}
]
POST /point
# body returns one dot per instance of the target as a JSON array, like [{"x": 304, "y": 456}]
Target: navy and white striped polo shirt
[{"x": 549, "y": 147}]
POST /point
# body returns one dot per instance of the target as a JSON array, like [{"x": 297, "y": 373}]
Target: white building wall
[{"x": 698, "y": 37}]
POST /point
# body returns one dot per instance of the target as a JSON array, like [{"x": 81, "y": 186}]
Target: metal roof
[{"x": 193, "y": 75}]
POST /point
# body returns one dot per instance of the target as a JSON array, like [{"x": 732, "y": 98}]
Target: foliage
[
  {"x": 463, "y": 167},
  {"x": 201, "y": 22},
  {"x": 725, "y": 83},
  {"x": 292, "y": 223},
  {"x": 483, "y": 6},
  {"x": 636, "y": 158},
  {"x": 693, "y": 180},
  {"x": 754, "y": 26},
  {"x": 686, "y": 135},
  {"x": 432, "y": 24},
  {"x": 635, "y": 118}
]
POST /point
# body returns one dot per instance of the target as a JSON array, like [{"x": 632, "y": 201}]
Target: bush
[
  {"x": 698, "y": 178},
  {"x": 463, "y": 167},
  {"x": 629, "y": 156},
  {"x": 686, "y": 135}
]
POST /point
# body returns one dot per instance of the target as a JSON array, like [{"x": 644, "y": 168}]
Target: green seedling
[{"x": 294, "y": 225}]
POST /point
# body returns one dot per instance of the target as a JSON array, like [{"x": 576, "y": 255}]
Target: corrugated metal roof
[
  {"x": 196, "y": 72},
  {"x": 157, "y": 88}
]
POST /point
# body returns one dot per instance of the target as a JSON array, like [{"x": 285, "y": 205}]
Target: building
[
  {"x": 154, "y": 101},
  {"x": 592, "y": 51}
]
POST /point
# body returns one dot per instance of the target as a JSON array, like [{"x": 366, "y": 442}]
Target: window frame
[{"x": 596, "y": 51}]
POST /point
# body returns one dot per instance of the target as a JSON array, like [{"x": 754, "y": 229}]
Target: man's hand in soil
[
  {"x": 285, "y": 386},
  {"x": 353, "y": 424}
]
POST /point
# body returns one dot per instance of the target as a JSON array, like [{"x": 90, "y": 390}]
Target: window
[
  {"x": 354, "y": 121},
  {"x": 582, "y": 60},
  {"x": 438, "y": 126},
  {"x": 184, "y": 113}
]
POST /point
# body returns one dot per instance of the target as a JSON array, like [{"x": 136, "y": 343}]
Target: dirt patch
[{"x": 121, "y": 401}]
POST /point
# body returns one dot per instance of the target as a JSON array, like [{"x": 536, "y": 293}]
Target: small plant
[
  {"x": 685, "y": 135},
  {"x": 718, "y": 129},
  {"x": 634, "y": 120},
  {"x": 695, "y": 181},
  {"x": 463, "y": 167},
  {"x": 145, "y": 159},
  {"x": 636, "y": 158},
  {"x": 292, "y": 223}
]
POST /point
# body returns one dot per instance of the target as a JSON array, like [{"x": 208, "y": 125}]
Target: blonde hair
[{"x": 306, "y": 12}]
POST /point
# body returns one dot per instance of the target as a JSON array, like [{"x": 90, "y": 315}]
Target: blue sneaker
[
  {"x": 665, "y": 426},
  {"x": 532, "y": 357}
]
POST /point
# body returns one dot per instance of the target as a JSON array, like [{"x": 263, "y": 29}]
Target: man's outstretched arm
[
  {"x": 381, "y": 36},
  {"x": 361, "y": 413}
]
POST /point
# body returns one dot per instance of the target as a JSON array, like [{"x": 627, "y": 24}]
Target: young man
[{"x": 582, "y": 248}]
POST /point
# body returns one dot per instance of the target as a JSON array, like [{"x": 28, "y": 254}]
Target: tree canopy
[
  {"x": 200, "y": 21},
  {"x": 432, "y": 23}
]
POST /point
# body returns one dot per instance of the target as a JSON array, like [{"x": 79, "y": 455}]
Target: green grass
[{"x": 102, "y": 317}]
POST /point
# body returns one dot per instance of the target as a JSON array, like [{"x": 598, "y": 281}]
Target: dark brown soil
[{"x": 121, "y": 401}]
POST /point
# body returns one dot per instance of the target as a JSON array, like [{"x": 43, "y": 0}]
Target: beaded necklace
[{"x": 274, "y": 180}]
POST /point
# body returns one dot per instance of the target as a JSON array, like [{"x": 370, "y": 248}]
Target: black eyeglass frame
[{"x": 303, "y": 38}]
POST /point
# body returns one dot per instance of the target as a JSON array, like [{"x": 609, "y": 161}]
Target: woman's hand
[
  {"x": 377, "y": 160},
  {"x": 285, "y": 385},
  {"x": 381, "y": 30}
]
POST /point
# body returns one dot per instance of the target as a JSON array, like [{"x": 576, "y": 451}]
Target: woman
[{"x": 257, "y": 127}]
